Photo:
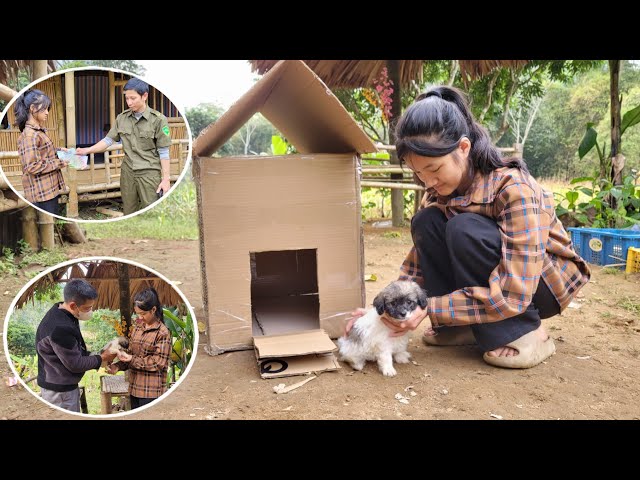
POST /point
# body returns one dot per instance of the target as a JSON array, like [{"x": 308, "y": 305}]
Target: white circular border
[
  {"x": 187, "y": 164},
  {"x": 11, "y": 309}
]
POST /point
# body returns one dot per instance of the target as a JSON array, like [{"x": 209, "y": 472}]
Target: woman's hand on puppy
[
  {"x": 124, "y": 356},
  {"x": 355, "y": 315},
  {"x": 400, "y": 328}
]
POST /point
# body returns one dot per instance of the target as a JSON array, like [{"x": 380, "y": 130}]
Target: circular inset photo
[
  {"x": 93, "y": 144},
  {"x": 100, "y": 336}
]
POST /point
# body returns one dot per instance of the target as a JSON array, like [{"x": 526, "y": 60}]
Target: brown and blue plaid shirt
[
  {"x": 41, "y": 176},
  {"x": 151, "y": 348},
  {"x": 535, "y": 245}
]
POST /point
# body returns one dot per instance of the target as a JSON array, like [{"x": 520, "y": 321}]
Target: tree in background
[
  {"x": 253, "y": 138},
  {"x": 126, "y": 65}
]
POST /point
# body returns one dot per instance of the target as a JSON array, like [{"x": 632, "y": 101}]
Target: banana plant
[{"x": 183, "y": 335}]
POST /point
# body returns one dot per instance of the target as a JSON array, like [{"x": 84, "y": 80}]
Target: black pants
[
  {"x": 137, "y": 402},
  {"x": 49, "y": 206},
  {"x": 462, "y": 252}
]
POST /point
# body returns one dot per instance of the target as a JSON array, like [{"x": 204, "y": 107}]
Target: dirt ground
[{"x": 592, "y": 376}]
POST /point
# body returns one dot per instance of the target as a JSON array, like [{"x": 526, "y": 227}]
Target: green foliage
[
  {"x": 280, "y": 146},
  {"x": 597, "y": 210},
  {"x": 202, "y": 116},
  {"x": 27, "y": 367},
  {"x": 98, "y": 331},
  {"x": 7, "y": 265},
  {"x": 183, "y": 339},
  {"x": 127, "y": 65},
  {"x": 559, "y": 126},
  {"x": 175, "y": 218},
  {"x": 253, "y": 138},
  {"x": 21, "y": 339},
  {"x": 45, "y": 258}
]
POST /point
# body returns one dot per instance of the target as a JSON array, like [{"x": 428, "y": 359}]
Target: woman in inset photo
[
  {"x": 42, "y": 179},
  {"x": 150, "y": 351}
]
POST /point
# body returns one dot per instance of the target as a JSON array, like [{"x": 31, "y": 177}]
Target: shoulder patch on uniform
[{"x": 165, "y": 129}]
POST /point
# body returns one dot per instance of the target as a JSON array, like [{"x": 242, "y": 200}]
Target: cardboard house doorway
[{"x": 284, "y": 291}]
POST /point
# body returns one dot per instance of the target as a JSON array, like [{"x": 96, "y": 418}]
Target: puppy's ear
[
  {"x": 422, "y": 298},
  {"x": 378, "y": 302}
]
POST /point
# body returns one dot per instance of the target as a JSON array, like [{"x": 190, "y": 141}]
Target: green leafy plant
[
  {"x": 21, "y": 339},
  {"x": 183, "y": 336}
]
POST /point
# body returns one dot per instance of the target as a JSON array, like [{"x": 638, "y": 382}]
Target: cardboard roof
[{"x": 294, "y": 99}]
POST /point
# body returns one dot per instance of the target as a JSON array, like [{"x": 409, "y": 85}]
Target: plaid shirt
[
  {"x": 534, "y": 245},
  {"x": 151, "y": 348},
  {"x": 41, "y": 176}
]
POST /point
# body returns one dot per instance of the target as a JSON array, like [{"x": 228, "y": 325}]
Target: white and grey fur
[
  {"x": 369, "y": 339},
  {"x": 116, "y": 345}
]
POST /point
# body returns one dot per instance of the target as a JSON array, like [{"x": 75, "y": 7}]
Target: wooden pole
[
  {"x": 45, "y": 221},
  {"x": 391, "y": 185},
  {"x": 112, "y": 99},
  {"x": 89, "y": 197},
  {"x": 617, "y": 163},
  {"x": 60, "y": 110},
  {"x": 125, "y": 295},
  {"x": 6, "y": 93},
  {"x": 30, "y": 228},
  {"x": 39, "y": 69},
  {"x": 69, "y": 90},
  {"x": 107, "y": 167},
  {"x": 397, "y": 196},
  {"x": 73, "y": 233}
]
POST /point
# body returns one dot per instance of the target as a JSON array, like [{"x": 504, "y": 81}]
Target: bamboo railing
[{"x": 99, "y": 181}]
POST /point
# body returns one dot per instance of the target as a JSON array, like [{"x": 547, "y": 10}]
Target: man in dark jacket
[{"x": 62, "y": 354}]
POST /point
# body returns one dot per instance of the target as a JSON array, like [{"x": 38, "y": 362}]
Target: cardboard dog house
[{"x": 281, "y": 242}]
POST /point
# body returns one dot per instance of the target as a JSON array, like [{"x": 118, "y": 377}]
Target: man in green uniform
[{"x": 144, "y": 133}]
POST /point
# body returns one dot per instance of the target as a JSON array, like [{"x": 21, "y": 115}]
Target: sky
[{"x": 190, "y": 82}]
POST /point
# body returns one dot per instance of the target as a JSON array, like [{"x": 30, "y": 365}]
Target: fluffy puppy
[
  {"x": 370, "y": 339},
  {"x": 114, "y": 346}
]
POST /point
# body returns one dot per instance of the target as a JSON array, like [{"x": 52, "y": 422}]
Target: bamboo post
[
  {"x": 45, "y": 222},
  {"x": 39, "y": 69},
  {"x": 30, "y": 228},
  {"x": 519, "y": 150},
  {"x": 92, "y": 161},
  {"x": 60, "y": 110},
  {"x": 69, "y": 89},
  {"x": 397, "y": 196},
  {"x": 107, "y": 167},
  {"x": 112, "y": 99},
  {"x": 6, "y": 93}
]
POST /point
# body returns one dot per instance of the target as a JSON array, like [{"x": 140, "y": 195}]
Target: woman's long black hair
[
  {"x": 147, "y": 299},
  {"x": 23, "y": 104},
  {"x": 435, "y": 122}
]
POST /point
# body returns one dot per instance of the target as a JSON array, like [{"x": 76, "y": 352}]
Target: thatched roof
[
  {"x": 9, "y": 68},
  {"x": 103, "y": 275},
  {"x": 361, "y": 73}
]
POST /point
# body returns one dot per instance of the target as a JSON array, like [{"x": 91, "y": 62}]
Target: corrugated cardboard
[
  {"x": 257, "y": 204},
  {"x": 295, "y": 354},
  {"x": 280, "y": 236}
]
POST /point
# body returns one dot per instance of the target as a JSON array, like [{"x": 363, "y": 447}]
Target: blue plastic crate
[{"x": 603, "y": 246}]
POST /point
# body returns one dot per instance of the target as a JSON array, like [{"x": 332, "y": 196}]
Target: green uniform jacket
[{"x": 141, "y": 138}]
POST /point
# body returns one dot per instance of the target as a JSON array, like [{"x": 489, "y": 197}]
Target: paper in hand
[{"x": 79, "y": 162}]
